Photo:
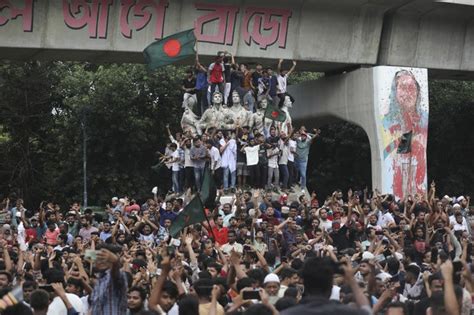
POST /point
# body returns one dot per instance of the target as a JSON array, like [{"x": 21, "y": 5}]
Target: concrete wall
[
  {"x": 324, "y": 35},
  {"x": 367, "y": 98}
]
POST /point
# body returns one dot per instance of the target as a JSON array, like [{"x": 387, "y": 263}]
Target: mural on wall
[{"x": 404, "y": 116}]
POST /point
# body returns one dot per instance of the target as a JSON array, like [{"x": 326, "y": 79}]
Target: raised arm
[
  {"x": 155, "y": 294},
  {"x": 450, "y": 301},
  {"x": 279, "y": 65},
  {"x": 292, "y": 69}
]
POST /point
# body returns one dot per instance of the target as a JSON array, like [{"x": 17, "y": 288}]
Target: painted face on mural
[{"x": 407, "y": 92}]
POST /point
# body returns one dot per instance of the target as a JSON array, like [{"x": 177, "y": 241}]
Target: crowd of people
[
  {"x": 271, "y": 157},
  {"x": 257, "y": 251},
  {"x": 362, "y": 253}
]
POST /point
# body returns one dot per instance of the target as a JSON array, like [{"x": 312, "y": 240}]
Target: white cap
[
  {"x": 398, "y": 256},
  {"x": 457, "y": 205},
  {"x": 115, "y": 198},
  {"x": 448, "y": 198},
  {"x": 285, "y": 209},
  {"x": 271, "y": 277},
  {"x": 461, "y": 198},
  {"x": 383, "y": 276},
  {"x": 367, "y": 256}
]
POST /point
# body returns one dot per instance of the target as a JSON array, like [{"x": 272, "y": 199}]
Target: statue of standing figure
[
  {"x": 216, "y": 116},
  {"x": 221, "y": 117},
  {"x": 240, "y": 114},
  {"x": 258, "y": 121},
  {"x": 287, "y": 104},
  {"x": 189, "y": 120}
]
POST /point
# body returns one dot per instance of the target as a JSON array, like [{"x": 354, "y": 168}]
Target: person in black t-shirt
[{"x": 189, "y": 87}]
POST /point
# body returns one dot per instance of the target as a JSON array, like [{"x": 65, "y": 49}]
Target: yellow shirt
[{"x": 205, "y": 308}]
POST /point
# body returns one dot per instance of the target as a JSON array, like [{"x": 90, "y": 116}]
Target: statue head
[
  {"x": 263, "y": 103},
  {"x": 235, "y": 98},
  {"x": 189, "y": 102},
  {"x": 217, "y": 98},
  {"x": 288, "y": 101}
]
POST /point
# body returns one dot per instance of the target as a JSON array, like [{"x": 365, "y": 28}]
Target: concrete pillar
[{"x": 391, "y": 105}]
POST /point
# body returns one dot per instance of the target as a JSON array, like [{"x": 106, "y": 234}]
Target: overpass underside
[{"x": 330, "y": 36}]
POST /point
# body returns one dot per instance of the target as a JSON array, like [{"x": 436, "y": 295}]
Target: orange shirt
[
  {"x": 247, "y": 80},
  {"x": 52, "y": 236}
]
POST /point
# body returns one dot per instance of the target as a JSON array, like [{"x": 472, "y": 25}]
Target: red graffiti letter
[
  {"x": 225, "y": 15},
  {"x": 26, "y": 13},
  {"x": 266, "y": 19},
  {"x": 95, "y": 15},
  {"x": 158, "y": 7}
]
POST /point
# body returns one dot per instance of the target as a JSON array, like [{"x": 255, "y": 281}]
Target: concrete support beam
[{"x": 388, "y": 103}]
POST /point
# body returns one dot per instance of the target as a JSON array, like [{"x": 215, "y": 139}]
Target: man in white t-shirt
[
  {"x": 229, "y": 161},
  {"x": 251, "y": 154},
  {"x": 273, "y": 154},
  {"x": 282, "y": 78},
  {"x": 63, "y": 301},
  {"x": 175, "y": 167},
  {"x": 215, "y": 163}
]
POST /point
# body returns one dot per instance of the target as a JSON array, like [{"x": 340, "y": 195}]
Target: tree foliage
[{"x": 124, "y": 109}]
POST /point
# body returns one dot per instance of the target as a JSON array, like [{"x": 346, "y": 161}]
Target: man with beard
[
  {"x": 87, "y": 229},
  {"x": 72, "y": 221},
  {"x": 271, "y": 284},
  {"x": 106, "y": 231}
]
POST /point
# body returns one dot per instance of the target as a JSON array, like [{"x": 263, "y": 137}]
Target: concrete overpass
[
  {"x": 376, "y": 54},
  {"x": 330, "y": 36}
]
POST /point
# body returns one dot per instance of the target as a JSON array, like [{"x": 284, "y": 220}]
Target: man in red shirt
[
  {"x": 219, "y": 231},
  {"x": 215, "y": 73}
]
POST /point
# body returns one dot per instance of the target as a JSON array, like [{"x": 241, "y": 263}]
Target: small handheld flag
[{"x": 170, "y": 49}]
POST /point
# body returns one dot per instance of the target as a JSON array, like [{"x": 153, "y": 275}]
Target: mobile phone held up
[{"x": 251, "y": 295}]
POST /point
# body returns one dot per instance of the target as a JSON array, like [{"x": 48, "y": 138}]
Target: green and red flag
[
  {"x": 193, "y": 213},
  {"x": 208, "y": 190},
  {"x": 170, "y": 49},
  {"x": 274, "y": 113}
]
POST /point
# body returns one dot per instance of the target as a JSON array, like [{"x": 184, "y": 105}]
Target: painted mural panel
[{"x": 403, "y": 108}]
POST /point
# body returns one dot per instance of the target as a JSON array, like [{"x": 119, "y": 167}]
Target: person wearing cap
[
  {"x": 271, "y": 285},
  {"x": 457, "y": 221}
]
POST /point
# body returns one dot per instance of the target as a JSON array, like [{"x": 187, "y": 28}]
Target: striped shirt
[{"x": 110, "y": 297}]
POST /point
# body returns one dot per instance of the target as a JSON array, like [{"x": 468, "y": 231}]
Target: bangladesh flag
[
  {"x": 170, "y": 49},
  {"x": 208, "y": 190},
  {"x": 274, "y": 113},
  {"x": 193, "y": 213}
]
